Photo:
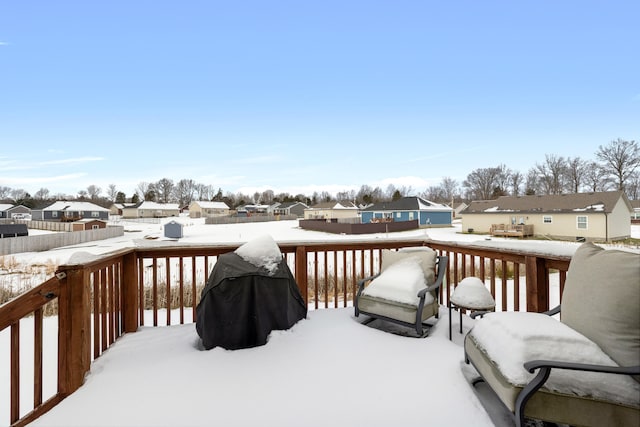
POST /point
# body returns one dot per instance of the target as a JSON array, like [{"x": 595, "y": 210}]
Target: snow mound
[{"x": 262, "y": 251}]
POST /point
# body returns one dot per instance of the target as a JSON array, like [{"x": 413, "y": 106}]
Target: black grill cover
[{"x": 242, "y": 303}]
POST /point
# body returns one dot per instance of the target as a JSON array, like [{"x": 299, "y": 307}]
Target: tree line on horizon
[{"x": 617, "y": 167}]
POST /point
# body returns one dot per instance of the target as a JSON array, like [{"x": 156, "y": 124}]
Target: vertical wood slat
[
  {"x": 141, "y": 291},
  {"x": 111, "y": 317},
  {"x": 335, "y": 279},
  {"x": 563, "y": 279},
  {"x": 353, "y": 274},
  {"x": 15, "y": 372},
  {"x": 154, "y": 285},
  {"x": 38, "y": 317},
  {"x": 537, "y": 284},
  {"x": 516, "y": 286},
  {"x": 193, "y": 287},
  {"x": 181, "y": 289},
  {"x": 103, "y": 310},
  {"x": 315, "y": 279},
  {"x": 167, "y": 266},
  {"x": 96, "y": 317},
  {"x": 344, "y": 278},
  {"x": 492, "y": 275},
  {"x": 504, "y": 284},
  {"x": 326, "y": 281}
]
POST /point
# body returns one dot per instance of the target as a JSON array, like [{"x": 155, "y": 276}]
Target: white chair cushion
[
  {"x": 511, "y": 338},
  {"x": 400, "y": 282},
  {"x": 427, "y": 257}
]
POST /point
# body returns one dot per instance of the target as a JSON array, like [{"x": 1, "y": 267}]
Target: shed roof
[{"x": 563, "y": 203}]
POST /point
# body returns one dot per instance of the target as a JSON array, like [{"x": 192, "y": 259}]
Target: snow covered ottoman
[{"x": 591, "y": 352}]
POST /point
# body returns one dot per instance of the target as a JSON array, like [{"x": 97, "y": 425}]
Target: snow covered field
[{"x": 326, "y": 370}]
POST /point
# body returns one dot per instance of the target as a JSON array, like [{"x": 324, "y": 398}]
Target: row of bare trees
[{"x": 616, "y": 167}]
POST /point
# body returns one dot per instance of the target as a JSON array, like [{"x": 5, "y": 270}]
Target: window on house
[
  {"x": 398, "y": 214},
  {"x": 547, "y": 219},
  {"x": 95, "y": 214},
  {"x": 513, "y": 220},
  {"x": 54, "y": 214},
  {"x": 582, "y": 222},
  {"x": 95, "y": 227},
  {"x": 410, "y": 216}
]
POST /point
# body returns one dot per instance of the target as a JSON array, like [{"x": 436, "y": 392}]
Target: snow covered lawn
[{"x": 326, "y": 370}]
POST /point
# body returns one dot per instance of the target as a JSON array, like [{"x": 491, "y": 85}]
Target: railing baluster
[
  {"x": 15, "y": 371},
  {"x": 168, "y": 280},
  {"x": 38, "y": 315}
]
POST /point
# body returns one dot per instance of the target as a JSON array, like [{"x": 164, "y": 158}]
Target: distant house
[
  {"x": 458, "y": 208},
  {"x": 149, "y": 209},
  {"x": 207, "y": 209},
  {"x": 116, "y": 208},
  {"x": 88, "y": 224},
  {"x": 70, "y": 211},
  {"x": 635, "y": 215},
  {"x": 251, "y": 210},
  {"x": 13, "y": 230},
  {"x": 289, "y": 208},
  {"x": 601, "y": 216},
  {"x": 332, "y": 210},
  {"x": 9, "y": 211},
  {"x": 428, "y": 214}
]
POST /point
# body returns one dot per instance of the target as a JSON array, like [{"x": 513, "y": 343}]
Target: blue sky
[{"x": 300, "y": 96}]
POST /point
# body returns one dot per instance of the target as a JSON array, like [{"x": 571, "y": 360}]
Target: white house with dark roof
[
  {"x": 428, "y": 214},
  {"x": 149, "y": 209},
  {"x": 332, "y": 210},
  {"x": 599, "y": 216}
]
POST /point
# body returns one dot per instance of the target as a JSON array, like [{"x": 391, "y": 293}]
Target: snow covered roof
[
  {"x": 561, "y": 203},
  {"x": 205, "y": 204},
  {"x": 4, "y": 207},
  {"x": 157, "y": 206},
  {"x": 63, "y": 205},
  {"x": 408, "y": 204},
  {"x": 334, "y": 205}
]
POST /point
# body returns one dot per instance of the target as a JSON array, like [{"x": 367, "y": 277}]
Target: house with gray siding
[
  {"x": 428, "y": 214},
  {"x": 9, "y": 211},
  {"x": 66, "y": 211}
]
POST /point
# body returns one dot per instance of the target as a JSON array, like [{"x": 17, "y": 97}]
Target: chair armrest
[
  {"x": 532, "y": 365},
  {"x": 545, "y": 367},
  {"x": 443, "y": 261},
  {"x": 361, "y": 282},
  {"x": 554, "y": 310}
]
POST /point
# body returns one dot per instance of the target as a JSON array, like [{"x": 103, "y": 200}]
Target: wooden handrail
[{"x": 110, "y": 289}]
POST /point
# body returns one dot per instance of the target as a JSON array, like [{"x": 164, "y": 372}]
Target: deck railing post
[
  {"x": 74, "y": 329},
  {"x": 130, "y": 302},
  {"x": 537, "y": 284},
  {"x": 301, "y": 271}
]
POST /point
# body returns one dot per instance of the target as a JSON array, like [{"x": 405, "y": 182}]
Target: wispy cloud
[
  {"x": 41, "y": 179},
  {"x": 4, "y": 43},
  {"x": 71, "y": 161}
]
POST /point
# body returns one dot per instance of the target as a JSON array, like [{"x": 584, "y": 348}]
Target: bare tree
[
  {"x": 267, "y": 197},
  {"x": 449, "y": 188},
  {"x": 620, "y": 159},
  {"x": 112, "y": 192},
  {"x": 94, "y": 191},
  {"x": 515, "y": 183},
  {"x": 596, "y": 178},
  {"x": 633, "y": 186},
  {"x": 4, "y": 192},
  {"x": 482, "y": 183},
  {"x": 551, "y": 174},
  {"x": 164, "y": 190},
  {"x": 576, "y": 169},
  {"x": 18, "y": 194},
  {"x": 141, "y": 189},
  {"x": 184, "y": 191},
  {"x": 42, "y": 194}
]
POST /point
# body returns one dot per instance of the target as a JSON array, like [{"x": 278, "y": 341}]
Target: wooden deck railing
[{"x": 100, "y": 299}]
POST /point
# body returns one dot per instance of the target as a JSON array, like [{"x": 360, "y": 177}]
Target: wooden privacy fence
[
  {"x": 44, "y": 242},
  {"x": 105, "y": 297}
]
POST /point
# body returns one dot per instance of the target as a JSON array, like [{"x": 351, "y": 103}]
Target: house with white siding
[
  {"x": 207, "y": 209},
  {"x": 598, "y": 216},
  {"x": 149, "y": 209},
  {"x": 332, "y": 211}
]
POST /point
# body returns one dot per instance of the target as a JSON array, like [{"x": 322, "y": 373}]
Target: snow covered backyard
[{"x": 327, "y": 369}]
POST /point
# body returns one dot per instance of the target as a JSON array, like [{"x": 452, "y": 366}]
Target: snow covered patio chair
[
  {"x": 582, "y": 370},
  {"x": 406, "y": 289}
]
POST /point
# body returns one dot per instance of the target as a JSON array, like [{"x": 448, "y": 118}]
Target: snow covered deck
[{"x": 327, "y": 370}]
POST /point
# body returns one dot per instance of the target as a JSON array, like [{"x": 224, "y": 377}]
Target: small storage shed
[
  {"x": 173, "y": 230},
  {"x": 88, "y": 224}
]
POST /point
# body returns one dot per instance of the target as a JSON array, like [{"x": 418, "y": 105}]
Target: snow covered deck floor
[{"x": 326, "y": 370}]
